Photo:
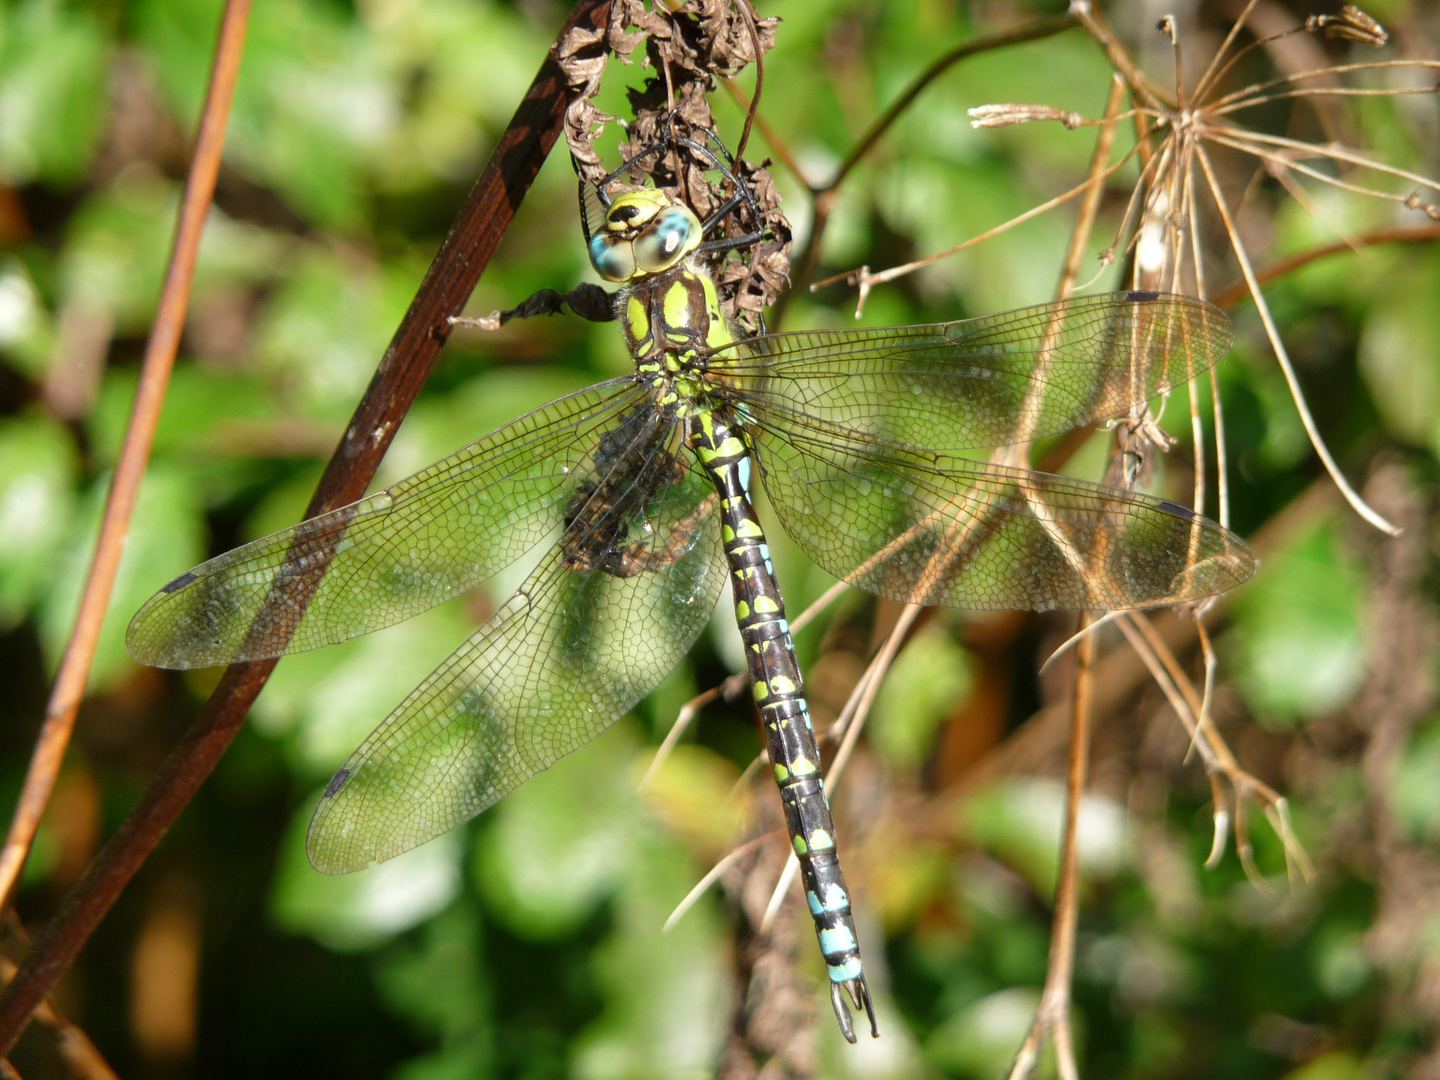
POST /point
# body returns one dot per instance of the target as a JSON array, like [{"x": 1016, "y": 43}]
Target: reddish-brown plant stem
[
  {"x": 402, "y": 371},
  {"x": 164, "y": 343},
  {"x": 1278, "y": 269}
]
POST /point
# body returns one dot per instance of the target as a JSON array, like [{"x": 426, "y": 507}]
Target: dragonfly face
[
  {"x": 862, "y": 439},
  {"x": 645, "y": 233}
]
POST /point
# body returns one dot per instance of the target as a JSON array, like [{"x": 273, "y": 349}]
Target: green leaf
[
  {"x": 164, "y": 541},
  {"x": 1414, "y": 794},
  {"x": 27, "y": 332},
  {"x": 312, "y": 95},
  {"x": 38, "y": 472},
  {"x": 1336, "y": 1065},
  {"x": 53, "y": 62},
  {"x": 358, "y": 911},
  {"x": 666, "y": 999},
  {"x": 1021, "y": 821},
  {"x": 561, "y": 844},
  {"x": 930, "y": 680},
  {"x": 980, "y": 1040},
  {"x": 203, "y": 409},
  {"x": 116, "y": 249},
  {"x": 324, "y": 330},
  {"x": 1398, "y": 351},
  {"x": 1299, "y": 644},
  {"x": 440, "y": 984}
]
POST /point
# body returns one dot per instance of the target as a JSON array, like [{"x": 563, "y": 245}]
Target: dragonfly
[{"x": 867, "y": 442}]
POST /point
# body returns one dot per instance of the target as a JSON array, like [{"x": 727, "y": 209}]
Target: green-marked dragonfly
[{"x": 640, "y": 486}]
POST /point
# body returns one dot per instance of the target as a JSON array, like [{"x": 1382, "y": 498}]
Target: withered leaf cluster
[{"x": 686, "y": 50}]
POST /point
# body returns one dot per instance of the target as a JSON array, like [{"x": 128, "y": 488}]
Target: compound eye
[
  {"x": 666, "y": 242},
  {"x": 613, "y": 258}
]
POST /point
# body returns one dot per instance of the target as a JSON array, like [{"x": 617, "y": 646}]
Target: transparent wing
[
  {"x": 947, "y": 531},
  {"x": 573, "y": 649},
  {"x": 992, "y": 381},
  {"x": 396, "y": 553}
]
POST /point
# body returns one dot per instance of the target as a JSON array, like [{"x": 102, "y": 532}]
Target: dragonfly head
[{"x": 644, "y": 233}]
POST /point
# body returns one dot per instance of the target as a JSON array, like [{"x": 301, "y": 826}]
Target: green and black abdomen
[{"x": 780, "y": 697}]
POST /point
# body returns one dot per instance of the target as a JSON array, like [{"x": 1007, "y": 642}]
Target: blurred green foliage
[{"x": 529, "y": 943}]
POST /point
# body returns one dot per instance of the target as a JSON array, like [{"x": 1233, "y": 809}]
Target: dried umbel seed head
[{"x": 1351, "y": 24}]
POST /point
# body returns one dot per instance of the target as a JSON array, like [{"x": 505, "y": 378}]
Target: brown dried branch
[
  {"x": 1119, "y": 675},
  {"x": 1052, "y": 1018},
  {"x": 1282, "y": 356}
]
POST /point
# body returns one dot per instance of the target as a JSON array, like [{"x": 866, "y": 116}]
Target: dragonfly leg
[{"x": 587, "y": 300}]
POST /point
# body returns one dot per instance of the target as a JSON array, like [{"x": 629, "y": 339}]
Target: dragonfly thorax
[{"x": 672, "y": 321}]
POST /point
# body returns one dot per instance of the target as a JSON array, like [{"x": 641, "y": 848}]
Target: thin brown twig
[
  {"x": 1288, "y": 265},
  {"x": 782, "y": 151},
  {"x": 1090, "y": 204},
  {"x": 748, "y": 14},
  {"x": 866, "y": 280},
  {"x": 1218, "y": 755},
  {"x": 1034, "y": 31},
  {"x": 1119, "y": 674},
  {"x": 70, "y": 681},
  {"x": 1223, "y": 102},
  {"x": 1052, "y": 1017},
  {"x": 1053, "y": 1014},
  {"x": 402, "y": 371},
  {"x": 1247, "y": 145},
  {"x": 1141, "y": 88}
]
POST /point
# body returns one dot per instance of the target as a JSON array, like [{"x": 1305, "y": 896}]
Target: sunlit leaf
[
  {"x": 37, "y": 505},
  {"x": 562, "y": 842},
  {"x": 666, "y": 994},
  {"x": 164, "y": 540},
  {"x": 1021, "y": 821},
  {"x": 358, "y": 911},
  {"x": 1300, "y": 646},
  {"x": 52, "y": 91},
  {"x": 930, "y": 680}
]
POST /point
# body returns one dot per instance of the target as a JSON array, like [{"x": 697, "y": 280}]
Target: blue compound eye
[
  {"x": 613, "y": 259},
  {"x": 672, "y": 237}
]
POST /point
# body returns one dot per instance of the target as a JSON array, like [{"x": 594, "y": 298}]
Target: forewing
[
  {"x": 964, "y": 534},
  {"x": 992, "y": 381},
  {"x": 396, "y": 553},
  {"x": 570, "y": 652}
]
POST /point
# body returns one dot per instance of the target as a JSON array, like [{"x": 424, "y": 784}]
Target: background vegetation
[{"x": 528, "y": 944}]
